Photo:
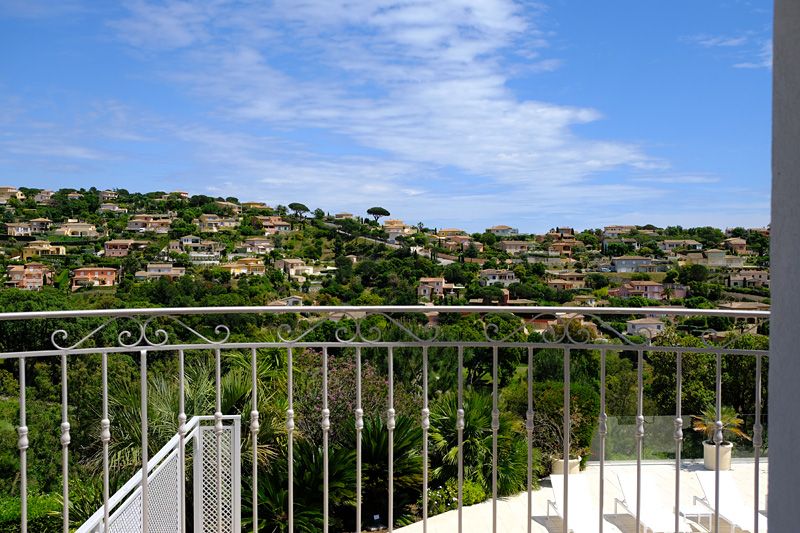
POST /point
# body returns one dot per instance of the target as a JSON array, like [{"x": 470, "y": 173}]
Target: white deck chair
[
  {"x": 655, "y": 516},
  {"x": 583, "y": 509},
  {"x": 732, "y": 509}
]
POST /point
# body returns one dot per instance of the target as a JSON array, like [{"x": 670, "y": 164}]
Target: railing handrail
[
  {"x": 372, "y": 309},
  {"x": 135, "y": 481}
]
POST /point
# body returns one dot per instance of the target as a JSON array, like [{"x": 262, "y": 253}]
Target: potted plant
[
  {"x": 707, "y": 424},
  {"x": 550, "y": 438},
  {"x": 574, "y": 463}
]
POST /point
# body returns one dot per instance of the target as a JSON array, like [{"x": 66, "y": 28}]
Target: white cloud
[
  {"x": 423, "y": 82},
  {"x": 763, "y": 57},
  {"x": 689, "y": 179},
  {"x": 174, "y": 24},
  {"x": 37, "y": 9},
  {"x": 51, "y": 147},
  {"x": 711, "y": 41},
  {"x": 751, "y": 49}
]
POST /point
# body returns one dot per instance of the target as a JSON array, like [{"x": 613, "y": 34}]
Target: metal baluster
[
  {"x": 678, "y": 435},
  {"x": 145, "y": 454},
  {"x": 65, "y": 440},
  {"x": 254, "y": 427},
  {"x": 326, "y": 427},
  {"x": 359, "y": 429},
  {"x": 390, "y": 425},
  {"x": 290, "y": 437},
  {"x": 182, "y": 439},
  {"x": 460, "y": 430},
  {"x": 105, "y": 438},
  {"x": 22, "y": 444},
  {"x": 567, "y": 438},
  {"x": 602, "y": 431},
  {"x": 639, "y": 435},
  {"x": 758, "y": 441},
  {"x": 529, "y": 429},
  {"x": 717, "y": 440},
  {"x": 426, "y": 424},
  {"x": 495, "y": 429},
  {"x": 218, "y": 429}
]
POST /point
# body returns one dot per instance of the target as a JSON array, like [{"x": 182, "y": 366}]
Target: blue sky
[{"x": 460, "y": 113}]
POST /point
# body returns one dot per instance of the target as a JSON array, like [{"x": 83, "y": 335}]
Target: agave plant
[{"x": 707, "y": 423}]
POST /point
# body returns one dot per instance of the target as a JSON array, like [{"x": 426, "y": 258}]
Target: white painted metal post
[
  {"x": 65, "y": 440},
  {"x": 181, "y": 441},
  {"x": 105, "y": 438},
  {"x": 426, "y": 424},
  {"x": 390, "y": 425},
  {"x": 359, "y": 412},
  {"x": 254, "y": 427},
  {"x": 143, "y": 392},
  {"x": 22, "y": 444}
]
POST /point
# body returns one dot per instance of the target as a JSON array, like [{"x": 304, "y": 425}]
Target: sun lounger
[
  {"x": 732, "y": 509},
  {"x": 584, "y": 511},
  {"x": 655, "y": 516}
]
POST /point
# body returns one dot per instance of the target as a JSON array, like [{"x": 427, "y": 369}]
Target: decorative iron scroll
[
  {"x": 140, "y": 333},
  {"x": 583, "y": 328},
  {"x": 356, "y": 329}
]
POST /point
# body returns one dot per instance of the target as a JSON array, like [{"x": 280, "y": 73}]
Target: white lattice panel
[
  {"x": 165, "y": 485},
  {"x": 205, "y": 482},
  {"x": 163, "y": 505}
]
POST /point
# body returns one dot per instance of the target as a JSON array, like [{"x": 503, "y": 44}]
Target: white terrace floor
[{"x": 658, "y": 485}]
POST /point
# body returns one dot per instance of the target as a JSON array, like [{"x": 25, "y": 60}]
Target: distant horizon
[
  {"x": 463, "y": 112},
  {"x": 363, "y": 212}
]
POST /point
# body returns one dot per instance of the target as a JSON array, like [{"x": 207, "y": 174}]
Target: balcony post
[{"x": 784, "y": 368}]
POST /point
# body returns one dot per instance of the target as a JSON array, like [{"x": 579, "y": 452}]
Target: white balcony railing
[
  {"x": 419, "y": 338},
  {"x": 219, "y": 510}
]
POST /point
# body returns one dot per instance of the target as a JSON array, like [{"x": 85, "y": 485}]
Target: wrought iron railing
[{"x": 153, "y": 334}]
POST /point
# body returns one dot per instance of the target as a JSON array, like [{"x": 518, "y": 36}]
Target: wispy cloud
[
  {"x": 689, "y": 179},
  {"x": 36, "y": 9},
  {"x": 749, "y": 49},
  {"x": 54, "y": 147},
  {"x": 166, "y": 25},
  {"x": 711, "y": 41},
  {"x": 422, "y": 82},
  {"x": 763, "y": 57}
]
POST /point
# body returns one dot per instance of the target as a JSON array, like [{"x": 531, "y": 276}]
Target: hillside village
[{"x": 115, "y": 247}]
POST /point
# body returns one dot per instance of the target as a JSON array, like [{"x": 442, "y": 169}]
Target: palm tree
[
  {"x": 308, "y": 480},
  {"x": 707, "y": 423},
  {"x": 477, "y": 443},
  {"x": 407, "y": 464},
  {"x": 200, "y": 399}
]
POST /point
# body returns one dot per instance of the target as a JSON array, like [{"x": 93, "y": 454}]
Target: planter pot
[
  {"x": 710, "y": 455},
  {"x": 557, "y": 466}
]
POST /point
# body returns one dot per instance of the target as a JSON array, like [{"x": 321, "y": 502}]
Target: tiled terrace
[{"x": 658, "y": 485}]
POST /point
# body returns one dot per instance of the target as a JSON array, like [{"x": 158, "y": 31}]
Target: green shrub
[
  {"x": 44, "y": 513},
  {"x": 512, "y": 472},
  {"x": 548, "y": 401},
  {"x": 445, "y": 498}
]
